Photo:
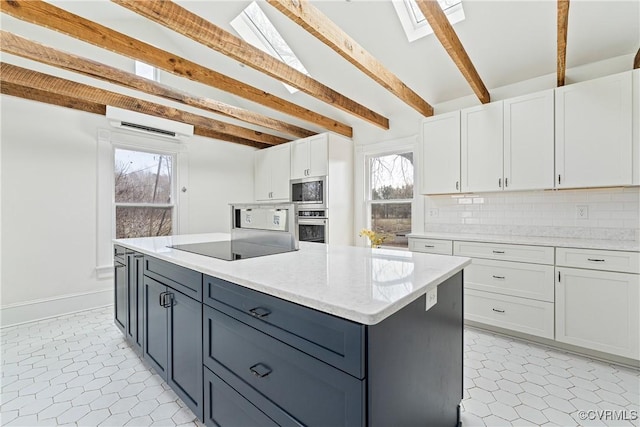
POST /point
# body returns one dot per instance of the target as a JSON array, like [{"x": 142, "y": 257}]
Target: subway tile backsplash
[{"x": 609, "y": 214}]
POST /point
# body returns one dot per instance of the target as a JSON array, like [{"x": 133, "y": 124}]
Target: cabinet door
[
  {"x": 598, "y": 310},
  {"x": 132, "y": 301},
  {"x": 441, "y": 154},
  {"x": 528, "y": 142},
  {"x": 120, "y": 295},
  {"x": 299, "y": 158},
  {"x": 593, "y": 133},
  {"x": 137, "y": 278},
  {"x": 262, "y": 175},
  {"x": 318, "y": 155},
  {"x": 482, "y": 148},
  {"x": 280, "y": 160},
  {"x": 184, "y": 373},
  {"x": 155, "y": 326},
  {"x": 636, "y": 126}
]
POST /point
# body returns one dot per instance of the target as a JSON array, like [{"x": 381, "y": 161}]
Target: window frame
[
  {"x": 174, "y": 187},
  {"x": 415, "y": 29}
]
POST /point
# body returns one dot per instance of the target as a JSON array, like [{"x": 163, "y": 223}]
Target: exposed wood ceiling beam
[
  {"x": 444, "y": 31},
  {"x": 24, "y": 77},
  {"x": 320, "y": 26},
  {"x": 636, "y": 60},
  {"x": 46, "y": 97},
  {"x": 16, "y": 45},
  {"x": 49, "y": 16},
  {"x": 184, "y": 22},
  {"x": 563, "y": 21}
]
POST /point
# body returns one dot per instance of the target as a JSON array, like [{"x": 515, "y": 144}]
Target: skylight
[
  {"x": 147, "y": 71},
  {"x": 413, "y": 21},
  {"x": 256, "y": 29}
]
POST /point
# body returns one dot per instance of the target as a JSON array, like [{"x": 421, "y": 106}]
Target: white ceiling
[{"x": 508, "y": 42}]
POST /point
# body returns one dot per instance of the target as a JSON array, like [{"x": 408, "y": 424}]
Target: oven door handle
[{"x": 312, "y": 221}]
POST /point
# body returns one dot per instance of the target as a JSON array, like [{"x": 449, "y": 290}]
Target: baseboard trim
[{"x": 46, "y": 308}]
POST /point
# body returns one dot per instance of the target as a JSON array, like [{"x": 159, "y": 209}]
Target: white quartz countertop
[
  {"x": 613, "y": 245},
  {"x": 360, "y": 284}
]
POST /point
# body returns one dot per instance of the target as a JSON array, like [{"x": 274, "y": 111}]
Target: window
[
  {"x": 256, "y": 29},
  {"x": 413, "y": 21},
  {"x": 143, "y": 193},
  {"x": 390, "y": 196},
  {"x": 147, "y": 71}
]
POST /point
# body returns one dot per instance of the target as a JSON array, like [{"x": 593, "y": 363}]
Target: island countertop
[{"x": 359, "y": 284}]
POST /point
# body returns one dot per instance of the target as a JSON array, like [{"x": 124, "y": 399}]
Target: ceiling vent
[{"x": 150, "y": 125}]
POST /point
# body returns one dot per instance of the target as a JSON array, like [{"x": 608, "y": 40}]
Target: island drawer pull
[
  {"x": 161, "y": 298},
  {"x": 260, "y": 370},
  {"x": 259, "y": 312},
  {"x": 498, "y": 252},
  {"x": 497, "y": 310},
  {"x": 119, "y": 265},
  {"x": 429, "y": 246},
  {"x": 595, "y": 259},
  {"x": 498, "y": 277}
]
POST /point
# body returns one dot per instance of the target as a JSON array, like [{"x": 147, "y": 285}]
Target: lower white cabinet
[
  {"x": 598, "y": 310},
  {"x": 518, "y": 314},
  {"x": 431, "y": 246}
]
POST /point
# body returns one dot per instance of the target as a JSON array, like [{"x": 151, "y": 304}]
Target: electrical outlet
[
  {"x": 432, "y": 298},
  {"x": 582, "y": 212},
  {"x": 433, "y": 212}
]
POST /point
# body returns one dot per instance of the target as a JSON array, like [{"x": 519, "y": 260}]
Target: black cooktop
[{"x": 231, "y": 251}]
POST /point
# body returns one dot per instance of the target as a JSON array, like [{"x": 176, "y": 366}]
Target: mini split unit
[{"x": 150, "y": 125}]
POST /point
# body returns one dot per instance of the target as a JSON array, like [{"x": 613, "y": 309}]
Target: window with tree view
[
  {"x": 143, "y": 193},
  {"x": 391, "y": 196}
]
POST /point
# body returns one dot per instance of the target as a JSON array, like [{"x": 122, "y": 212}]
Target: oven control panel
[{"x": 316, "y": 213}]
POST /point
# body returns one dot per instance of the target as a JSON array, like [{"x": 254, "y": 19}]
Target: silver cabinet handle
[
  {"x": 457, "y": 185},
  {"x": 259, "y": 312},
  {"x": 559, "y": 179},
  {"x": 497, "y": 310},
  {"x": 500, "y": 182},
  {"x": 498, "y": 252},
  {"x": 429, "y": 246},
  {"x": 506, "y": 182},
  {"x": 498, "y": 277},
  {"x": 260, "y": 370},
  {"x": 595, "y": 260}
]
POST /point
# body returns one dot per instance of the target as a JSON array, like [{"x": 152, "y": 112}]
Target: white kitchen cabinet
[
  {"x": 594, "y": 133},
  {"x": 598, "y": 310},
  {"x": 441, "y": 154},
  {"x": 529, "y": 142},
  {"x": 309, "y": 156},
  {"x": 271, "y": 167},
  {"x": 431, "y": 246},
  {"x": 482, "y": 148},
  {"x": 636, "y": 127}
]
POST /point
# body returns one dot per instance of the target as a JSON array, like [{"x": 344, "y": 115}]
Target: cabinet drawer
[
  {"x": 624, "y": 262},
  {"x": 182, "y": 279},
  {"x": 311, "y": 391},
  {"x": 501, "y": 251},
  {"x": 518, "y": 314},
  {"x": 511, "y": 278},
  {"x": 336, "y": 341},
  {"x": 119, "y": 253},
  {"x": 431, "y": 246}
]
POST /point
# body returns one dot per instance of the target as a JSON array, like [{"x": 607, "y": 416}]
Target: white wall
[{"x": 48, "y": 202}]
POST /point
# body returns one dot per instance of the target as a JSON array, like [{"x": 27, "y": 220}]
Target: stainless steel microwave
[{"x": 311, "y": 192}]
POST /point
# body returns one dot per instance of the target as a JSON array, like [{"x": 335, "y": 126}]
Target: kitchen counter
[
  {"x": 359, "y": 284},
  {"x": 560, "y": 242}
]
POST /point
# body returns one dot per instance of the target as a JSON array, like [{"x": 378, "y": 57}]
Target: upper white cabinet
[
  {"x": 594, "y": 133},
  {"x": 441, "y": 154},
  {"x": 528, "y": 142},
  {"x": 271, "y": 181},
  {"x": 309, "y": 156},
  {"x": 481, "y": 148}
]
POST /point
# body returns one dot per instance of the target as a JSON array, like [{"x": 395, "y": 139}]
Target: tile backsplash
[{"x": 610, "y": 213}]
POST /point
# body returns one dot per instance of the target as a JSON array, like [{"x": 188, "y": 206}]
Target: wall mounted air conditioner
[{"x": 150, "y": 125}]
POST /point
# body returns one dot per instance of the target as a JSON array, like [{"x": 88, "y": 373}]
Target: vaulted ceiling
[{"x": 507, "y": 41}]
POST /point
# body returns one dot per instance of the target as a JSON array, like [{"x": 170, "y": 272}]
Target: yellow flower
[{"x": 374, "y": 238}]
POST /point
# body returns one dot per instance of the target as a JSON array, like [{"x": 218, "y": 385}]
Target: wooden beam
[
  {"x": 52, "y": 17},
  {"x": 320, "y": 26},
  {"x": 46, "y": 97},
  {"x": 449, "y": 39},
  {"x": 16, "y": 45},
  {"x": 636, "y": 60},
  {"x": 24, "y": 77},
  {"x": 184, "y": 22},
  {"x": 563, "y": 21}
]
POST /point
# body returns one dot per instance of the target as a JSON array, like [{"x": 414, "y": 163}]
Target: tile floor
[{"x": 78, "y": 370}]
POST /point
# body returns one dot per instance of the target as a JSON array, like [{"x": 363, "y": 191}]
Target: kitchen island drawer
[
  {"x": 624, "y": 262},
  {"x": 517, "y": 279},
  {"x": 431, "y": 246},
  {"x": 182, "y": 279},
  {"x": 518, "y": 314},
  {"x": 504, "y": 252},
  {"x": 333, "y": 340},
  {"x": 311, "y": 391}
]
